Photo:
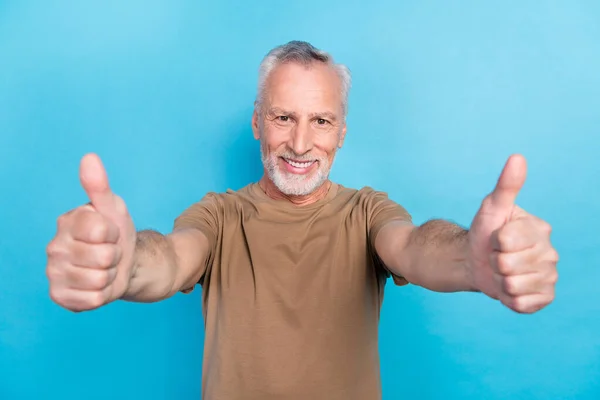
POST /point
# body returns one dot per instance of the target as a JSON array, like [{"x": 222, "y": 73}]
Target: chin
[
  {"x": 298, "y": 185},
  {"x": 296, "y": 191},
  {"x": 291, "y": 184}
]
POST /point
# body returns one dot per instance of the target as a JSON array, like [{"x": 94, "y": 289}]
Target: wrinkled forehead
[{"x": 304, "y": 88}]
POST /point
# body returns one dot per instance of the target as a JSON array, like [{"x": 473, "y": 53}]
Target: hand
[
  {"x": 510, "y": 255},
  {"x": 90, "y": 260}
]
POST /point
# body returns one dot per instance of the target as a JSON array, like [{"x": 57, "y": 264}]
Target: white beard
[{"x": 295, "y": 184}]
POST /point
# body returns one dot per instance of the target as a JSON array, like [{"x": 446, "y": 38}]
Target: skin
[
  {"x": 97, "y": 256},
  {"x": 301, "y": 113},
  {"x": 506, "y": 254}
]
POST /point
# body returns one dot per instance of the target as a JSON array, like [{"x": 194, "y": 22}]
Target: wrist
[{"x": 469, "y": 275}]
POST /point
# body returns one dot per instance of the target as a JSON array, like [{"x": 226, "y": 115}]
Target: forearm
[
  {"x": 155, "y": 268},
  {"x": 435, "y": 257}
]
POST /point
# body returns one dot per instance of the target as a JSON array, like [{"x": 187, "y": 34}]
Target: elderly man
[{"x": 293, "y": 267}]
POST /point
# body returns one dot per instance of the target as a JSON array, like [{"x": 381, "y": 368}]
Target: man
[{"x": 293, "y": 267}]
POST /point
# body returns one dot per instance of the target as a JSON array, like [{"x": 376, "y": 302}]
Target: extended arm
[
  {"x": 506, "y": 253},
  {"x": 97, "y": 256},
  {"x": 433, "y": 255},
  {"x": 166, "y": 264}
]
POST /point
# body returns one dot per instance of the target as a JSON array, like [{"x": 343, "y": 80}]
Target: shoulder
[
  {"x": 229, "y": 196},
  {"x": 362, "y": 191},
  {"x": 364, "y": 194},
  {"x": 213, "y": 208},
  {"x": 374, "y": 204}
]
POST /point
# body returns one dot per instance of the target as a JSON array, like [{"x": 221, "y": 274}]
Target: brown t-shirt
[{"x": 292, "y": 294}]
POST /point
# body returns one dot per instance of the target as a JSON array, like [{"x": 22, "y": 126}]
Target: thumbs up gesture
[
  {"x": 90, "y": 260},
  {"x": 510, "y": 255}
]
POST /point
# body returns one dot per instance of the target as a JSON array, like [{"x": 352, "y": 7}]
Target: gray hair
[{"x": 302, "y": 53}]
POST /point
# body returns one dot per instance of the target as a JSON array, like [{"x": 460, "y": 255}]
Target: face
[{"x": 300, "y": 125}]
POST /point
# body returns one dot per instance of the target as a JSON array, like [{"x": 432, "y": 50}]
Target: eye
[
  {"x": 283, "y": 118},
  {"x": 322, "y": 121}
]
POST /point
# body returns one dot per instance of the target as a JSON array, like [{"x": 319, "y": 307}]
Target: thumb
[
  {"x": 510, "y": 183},
  {"x": 95, "y": 183}
]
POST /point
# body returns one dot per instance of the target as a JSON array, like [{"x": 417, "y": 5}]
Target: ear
[
  {"x": 342, "y": 136},
  {"x": 255, "y": 129}
]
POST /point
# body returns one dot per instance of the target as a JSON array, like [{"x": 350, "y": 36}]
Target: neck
[{"x": 273, "y": 192}]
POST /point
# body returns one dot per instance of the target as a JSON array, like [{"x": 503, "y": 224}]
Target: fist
[
  {"x": 523, "y": 263},
  {"x": 90, "y": 259},
  {"x": 511, "y": 255}
]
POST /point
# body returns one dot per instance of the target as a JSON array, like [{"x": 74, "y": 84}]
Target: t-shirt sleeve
[
  {"x": 206, "y": 216},
  {"x": 381, "y": 211}
]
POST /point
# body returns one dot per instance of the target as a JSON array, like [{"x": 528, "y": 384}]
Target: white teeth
[{"x": 299, "y": 164}]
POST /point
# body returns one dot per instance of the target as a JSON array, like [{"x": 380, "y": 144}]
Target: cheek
[
  {"x": 331, "y": 156},
  {"x": 327, "y": 145},
  {"x": 274, "y": 138}
]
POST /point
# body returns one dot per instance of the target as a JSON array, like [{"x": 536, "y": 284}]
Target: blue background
[{"x": 163, "y": 92}]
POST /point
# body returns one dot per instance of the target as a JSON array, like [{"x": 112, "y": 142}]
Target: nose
[{"x": 301, "y": 140}]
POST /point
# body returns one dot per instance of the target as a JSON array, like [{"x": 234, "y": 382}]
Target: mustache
[{"x": 298, "y": 157}]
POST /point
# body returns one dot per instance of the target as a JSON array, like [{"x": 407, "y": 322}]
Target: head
[{"x": 300, "y": 116}]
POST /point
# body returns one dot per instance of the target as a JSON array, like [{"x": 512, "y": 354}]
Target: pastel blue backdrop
[{"x": 162, "y": 90}]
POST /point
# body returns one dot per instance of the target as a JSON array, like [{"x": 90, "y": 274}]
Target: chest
[
  {"x": 309, "y": 243},
  {"x": 307, "y": 262}
]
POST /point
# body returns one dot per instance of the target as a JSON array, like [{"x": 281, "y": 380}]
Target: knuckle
[
  {"x": 52, "y": 248},
  {"x": 510, "y": 286},
  {"x": 553, "y": 278},
  {"x": 85, "y": 215},
  {"x": 55, "y": 249},
  {"x": 112, "y": 275},
  {"x": 505, "y": 237},
  {"x": 553, "y": 255},
  {"x": 87, "y": 207},
  {"x": 106, "y": 256},
  {"x": 53, "y": 273},
  {"x": 100, "y": 280},
  {"x": 95, "y": 299},
  {"x": 518, "y": 305},
  {"x": 98, "y": 229},
  {"x": 87, "y": 218},
  {"x": 61, "y": 221},
  {"x": 57, "y": 295},
  {"x": 545, "y": 227},
  {"x": 505, "y": 264}
]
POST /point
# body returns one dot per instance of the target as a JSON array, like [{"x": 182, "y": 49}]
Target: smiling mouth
[{"x": 299, "y": 164}]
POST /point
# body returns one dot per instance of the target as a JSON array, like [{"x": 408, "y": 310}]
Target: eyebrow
[{"x": 323, "y": 114}]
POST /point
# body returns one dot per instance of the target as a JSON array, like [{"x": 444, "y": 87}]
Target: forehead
[{"x": 304, "y": 88}]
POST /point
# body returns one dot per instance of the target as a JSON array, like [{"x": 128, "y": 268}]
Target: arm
[
  {"x": 166, "y": 264},
  {"x": 433, "y": 255},
  {"x": 506, "y": 253},
  {"x": 97, "y": 257}
]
